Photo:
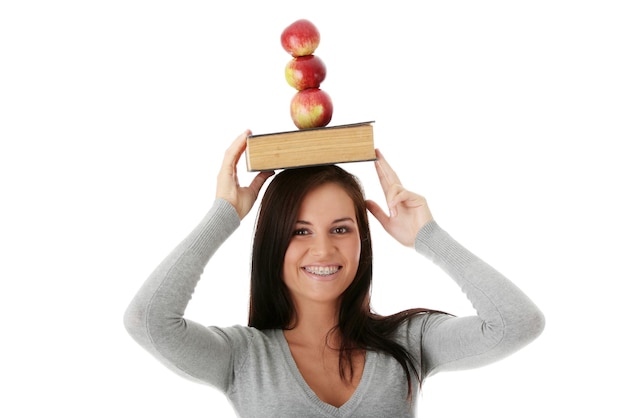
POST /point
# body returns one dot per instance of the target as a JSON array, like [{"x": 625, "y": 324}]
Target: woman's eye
[
  {"x": 340, "y": 230},
  {"x": 300, "y": 232}
]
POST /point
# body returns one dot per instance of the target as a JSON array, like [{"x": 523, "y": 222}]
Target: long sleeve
[
  {"x": 155, "y": 319},
  {"x": 506, "y": 319}
]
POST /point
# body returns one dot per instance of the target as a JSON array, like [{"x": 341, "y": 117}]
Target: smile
[{"x": 322, "y": 270}]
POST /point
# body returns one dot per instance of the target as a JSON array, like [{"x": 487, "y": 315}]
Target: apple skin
[
  {"x": 300, "y": 38},
  {"x": 311, "y": 108},
  {"x": 305, "y": 72}
]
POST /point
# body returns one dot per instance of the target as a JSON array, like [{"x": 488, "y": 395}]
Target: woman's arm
[
  {"x": 155, "y": 317},
  {"x": 506, "y": 318}
]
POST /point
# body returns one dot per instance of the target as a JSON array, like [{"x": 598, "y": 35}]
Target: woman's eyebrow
[{"x": 346, "y": 219}]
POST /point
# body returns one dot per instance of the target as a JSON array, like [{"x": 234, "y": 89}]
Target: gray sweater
[{"x": 255, "y": 369}]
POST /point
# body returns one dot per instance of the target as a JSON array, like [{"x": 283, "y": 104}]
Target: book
[{"x": 314, "y": 146}]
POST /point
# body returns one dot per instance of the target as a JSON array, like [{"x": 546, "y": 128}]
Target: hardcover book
[{"x": 314, "y": 146}]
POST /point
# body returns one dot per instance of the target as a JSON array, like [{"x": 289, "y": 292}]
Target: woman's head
[{"x": 271, "y": 301}]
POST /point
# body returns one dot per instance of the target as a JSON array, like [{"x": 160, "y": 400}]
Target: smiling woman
[
  {"x": 323, "y": 256},
  {"x": 309, "y": 221},
  {"x": 313, "y": 346}
]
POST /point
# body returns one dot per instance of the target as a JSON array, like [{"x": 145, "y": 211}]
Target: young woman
[{"x": 313, "y": 347}]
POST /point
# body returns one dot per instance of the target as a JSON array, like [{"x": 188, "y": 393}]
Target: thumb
[
  {"x": 259, "y": 180},
  {"x": 378, "y": 212}
]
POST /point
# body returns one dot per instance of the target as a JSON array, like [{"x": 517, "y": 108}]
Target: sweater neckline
[{"x": 328, "y": 409}]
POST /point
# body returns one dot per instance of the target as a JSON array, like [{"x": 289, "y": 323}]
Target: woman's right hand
[{"x": 228, "y": 188}]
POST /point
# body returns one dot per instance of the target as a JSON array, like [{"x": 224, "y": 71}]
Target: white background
[{"x": 508, "y": 116}]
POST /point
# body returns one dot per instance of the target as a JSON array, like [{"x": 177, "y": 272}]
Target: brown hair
[{"x": 271, "y": 306}]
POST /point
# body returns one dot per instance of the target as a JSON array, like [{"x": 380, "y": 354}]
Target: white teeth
[{"x": 322, "y": 271}]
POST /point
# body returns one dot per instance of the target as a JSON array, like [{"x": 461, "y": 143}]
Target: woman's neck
[{"x": 314, "y": 324}]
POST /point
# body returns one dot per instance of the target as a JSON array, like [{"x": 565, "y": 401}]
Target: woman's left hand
[{"x": 408, "y": 211}]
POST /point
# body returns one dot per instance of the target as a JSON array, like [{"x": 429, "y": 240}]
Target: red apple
[
  {"x": 300, "y": 38},
  {"x": 311, "y": 108},
  {"x": 305, "y": 72}
]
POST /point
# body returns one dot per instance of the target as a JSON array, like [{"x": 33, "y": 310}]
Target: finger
[
  {"x": 258, "y": 181},
  {"x": 396, "y": 195},
  {"x": 386, "y": 174},
  {"x": 234, "y": 152},
  {"x": 406, "y": 199},
  {"x": 388, "y": 180},
  {"x": 382, "y": 177},
  {"x": 378, "y": 212},
  {"x": 400, "y": 195}
]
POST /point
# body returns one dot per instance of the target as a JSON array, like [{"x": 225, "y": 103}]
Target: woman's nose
[{"x": 321, "y": 245}]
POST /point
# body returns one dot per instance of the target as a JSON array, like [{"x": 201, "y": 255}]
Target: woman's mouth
[{"x": 322, "y": 271}]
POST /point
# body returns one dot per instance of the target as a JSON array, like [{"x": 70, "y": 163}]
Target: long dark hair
[{"x": 271, "y": 306}]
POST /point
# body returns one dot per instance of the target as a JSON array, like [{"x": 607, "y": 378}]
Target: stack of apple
[{"x": 311, "y": 107}]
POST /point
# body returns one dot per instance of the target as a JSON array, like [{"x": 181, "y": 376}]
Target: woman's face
[{"x": 323, "y": 255}]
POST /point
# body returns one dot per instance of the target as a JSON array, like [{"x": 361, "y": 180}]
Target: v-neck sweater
[{"x": 255, "y": 369}]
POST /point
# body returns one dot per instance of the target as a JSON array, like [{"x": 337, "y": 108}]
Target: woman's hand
[
  {"x": 408, "y": 211},
  {"x": 242, "y": 198}
]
